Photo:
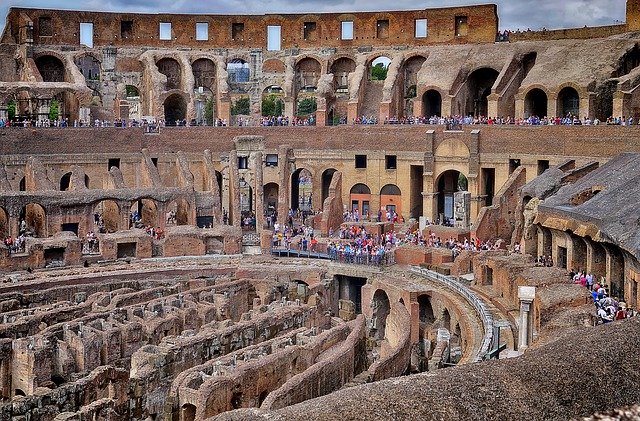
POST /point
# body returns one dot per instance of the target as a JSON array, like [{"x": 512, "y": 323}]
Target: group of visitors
[
  {"x": 92, "y": 244},
  {"x": 608, "y": 308},
  {"x": 16, "y": 245},
  {"x": 362, "y": 247}
]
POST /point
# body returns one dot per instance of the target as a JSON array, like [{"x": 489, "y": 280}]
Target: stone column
[
  {"x": 526, "y": 295},
  {"x": 285, "y": 181},
  {"x": 234, "y": 190},
  {"x": 259, "y": 189}
]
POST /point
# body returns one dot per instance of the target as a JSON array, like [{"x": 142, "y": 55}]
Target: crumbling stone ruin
[{"x": 150, "y": 269}]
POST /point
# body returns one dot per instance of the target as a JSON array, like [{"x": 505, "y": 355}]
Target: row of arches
[{"x": 34, "y": 220}]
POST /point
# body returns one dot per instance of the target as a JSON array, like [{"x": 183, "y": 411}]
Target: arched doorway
[
  {"x": 106, "y": 216},
  {"x": 204, "y": 85},
  {"x": 431, "y": 103},
  {"x": 446, "y": 319},
  {"x": 308, "y": 72},
  {"x": 327, "y": 176},
  {"x": 379, "y": 67},
  {"x": 273, "y": 104},
  {"x": 175, "y": 110},
  {"x": 171, "y": 69},
  {"x": 568, "y": 102},
  {"x": 238, "y": 71},
  {"x": 301, "y": 190},
  {"x": 51, "y": 68},
  {"x": 409, "y": 82},
  {"x": 340, "y": 70},
  {"x": 380, "y": 309},
  {"x": 65, "y": 181},
  {"x": 448, "y": 183},
  {"x": 271, "y": 192},
  {"x": 35, "y": 220},
  {"x": 391, "y": 201},
  {"x": 178, "y": 212},
  {"x": 479, "y": 85},
  {"x": 360, "y": 197},
  {"x": 535, "y": 103},
  {"x": 188, "y": 412},
  {"x": 144, "y": 212}
]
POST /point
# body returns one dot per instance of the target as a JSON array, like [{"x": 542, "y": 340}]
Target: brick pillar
[
  {"x": 552, "y": 105},
  {"x": 259, "y": 189},
  {"x": 234, "y": 190},
  {"x": 352, "y": 111}
]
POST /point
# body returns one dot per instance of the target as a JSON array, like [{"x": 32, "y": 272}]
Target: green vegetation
[
  {"x": 307, "y": 106},
  {"x": 379, "y": 71},
  {"x": 272, "y": 106},
  {"x": 11, "y": 109},
  {"x": 208, "y": 112},
  {"x": 54, "y": 110},
  {"x": 242, "y": 106}
]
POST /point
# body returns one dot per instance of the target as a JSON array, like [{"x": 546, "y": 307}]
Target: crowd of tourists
[
  {"x": 608, "y": 308},
  {"x": 362, "y": 247},
  {"x": 453, "y": 122}
]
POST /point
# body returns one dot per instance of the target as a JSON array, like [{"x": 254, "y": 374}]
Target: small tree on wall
[
  {"x": 307, "y": 106},
  {"x": 272, "y": 106},
  {"x": 208, "y": 112},
  {"x": 241, "y": 106},
  {"x": 54, "y": 110},
  {"x": 11, "y": 109}
]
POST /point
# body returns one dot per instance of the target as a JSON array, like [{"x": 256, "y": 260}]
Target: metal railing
[{"x": 476, "y": 303}]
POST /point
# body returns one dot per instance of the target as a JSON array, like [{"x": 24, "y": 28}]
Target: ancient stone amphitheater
[{"x": 146, "y": 272}]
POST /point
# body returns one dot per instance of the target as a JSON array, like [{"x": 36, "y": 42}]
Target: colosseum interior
[{"x": 318, "y": 216}]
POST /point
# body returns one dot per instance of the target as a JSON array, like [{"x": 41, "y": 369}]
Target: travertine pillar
[
  {"x": 526, "y": 295},
  {"x": 285, "y": 184},
  {"x": 234, "y": 190},
  {"x": 259, "y": 189}
]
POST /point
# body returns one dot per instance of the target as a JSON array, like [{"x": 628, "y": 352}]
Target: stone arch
[
  {"x": 301, "y": 189},
  {"x": 65, "y": 181},
  {"x": 175, "y": 109},
  {"x": 35, "y": 217},
  {"x": 272, "y": 101},
  {"x": 271, "y": 193},
  {"x": 391, "y": 200},
  {"x": 178, "y": 212},
  {"x": 147, "y": 210},
  {"x": 341, "y": 67},
  {"x": 89, "y": 65},
  {"x": 4, "y": 223},
  {"x": 188, "y": 412},
  {"x": 307, "y": 74},
  {"x": 432, "y": 103},
  {"x": 452, "y": 148},
  {"x": 107, "y": 216},
  {"x": 535, "y": 102},
  {"x": 327, "y": 176},
  {"x": 172, "y": 70},
  {"x": 479, "y": 84},
  {"x": 360, "y": 199},
  {"x": 568, "y": 102},
  {"x": 50, "y": 67},
  {"x": 446, "y": 185},
  {"x": 379, "y": 60},
  {"x": 238, "y": 70},
  {"x": 380, "y": 309},
  {"x": 204, "y": 74},
  {"x": 409, "y": 81}
]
